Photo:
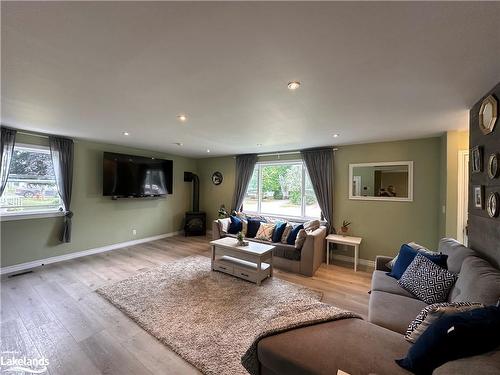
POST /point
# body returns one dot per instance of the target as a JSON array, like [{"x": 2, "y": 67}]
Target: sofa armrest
[
  {"x": 380, "y": 263},
  {"x": 313, "y": 251},
  {"x": 216, "y": 230}
]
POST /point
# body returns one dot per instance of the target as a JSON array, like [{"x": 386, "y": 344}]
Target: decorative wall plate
[
  {"x": 493, "y": 166},
  {"x": 488, "y": 114},
  {"x": 493, "y": 204},
  {"x": 217, "y": 178}
]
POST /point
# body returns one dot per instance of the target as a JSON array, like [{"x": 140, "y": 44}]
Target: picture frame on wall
[
  {"x": 477, "y": 159},
  {"x": 478, "y": 196}
]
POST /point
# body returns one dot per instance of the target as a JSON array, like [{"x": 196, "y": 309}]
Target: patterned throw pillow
[
  {"x": 312, "y": 225},
  {"x": 431, "y": 313},
  {"x": 286, "y": 232},
  {"x": 265, "y": 232},
  {"x": 301, "y": 238},
  {"x": 426, "y": 280}
]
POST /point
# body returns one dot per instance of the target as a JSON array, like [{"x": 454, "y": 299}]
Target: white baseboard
[
  {"x": 344, "y": 258},
  {"x": 79, "y": 254}
]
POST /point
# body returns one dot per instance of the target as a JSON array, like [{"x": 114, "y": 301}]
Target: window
[
  {"x": 31, "y": 185},
  {"x": 281, "y": 189}
]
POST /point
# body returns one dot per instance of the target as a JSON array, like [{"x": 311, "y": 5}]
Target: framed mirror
[{"x": 384, "y": 181}]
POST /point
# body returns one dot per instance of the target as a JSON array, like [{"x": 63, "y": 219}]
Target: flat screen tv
[{"x": 135, "y": 176}]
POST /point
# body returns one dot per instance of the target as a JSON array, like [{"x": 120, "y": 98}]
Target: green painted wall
[
  {"x": 383, "y": 225},
  {"x": 98, "y": 220}
]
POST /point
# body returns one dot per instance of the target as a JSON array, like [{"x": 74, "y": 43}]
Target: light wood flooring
[{"x": 55, "y": 313}]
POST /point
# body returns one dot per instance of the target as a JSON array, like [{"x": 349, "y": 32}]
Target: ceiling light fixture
[
  {"x": 336, "y": 135},
  {"x": 179, "y": 143},
  {"x": 208, "y": 150},
  {"x": 126, "y": 133},
  {"x": 182, "y": 117},
  {"x": 259, "y": 144},
  {"x": 293, "y": 85}
]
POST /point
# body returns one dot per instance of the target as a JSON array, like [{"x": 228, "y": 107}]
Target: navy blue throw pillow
[
  {"x": 406, "y": 256},
  {"x": 293, "y": 234},
  {"x": 279, "y": 228},
  {"x": 253, "y": 227},
  {"x": 235, "y": 226},
  {"x": 452, "y": 337}
]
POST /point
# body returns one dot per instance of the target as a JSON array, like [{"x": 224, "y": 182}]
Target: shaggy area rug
[{"x": 211, "y": 319}]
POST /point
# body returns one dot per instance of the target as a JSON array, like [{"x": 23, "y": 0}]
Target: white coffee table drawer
[
  {"x": 223, "y": 267},
  {"x": 245, "y": 274}
]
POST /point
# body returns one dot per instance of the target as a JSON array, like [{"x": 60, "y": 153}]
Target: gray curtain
[
  {"x": 319, "y": 164},
  {"x": 8, "y": 139},
  {"x": 61, "y": 151},
  {"x": 245, "y": 164}
]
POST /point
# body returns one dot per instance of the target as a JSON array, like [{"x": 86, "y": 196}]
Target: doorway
[{"x": 463, "y": 196}]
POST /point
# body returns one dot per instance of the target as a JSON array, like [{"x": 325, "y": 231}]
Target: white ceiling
[{"x": 369, "y": 71}]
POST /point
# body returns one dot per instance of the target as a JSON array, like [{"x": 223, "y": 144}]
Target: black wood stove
[{"x": 195, "y": 221}]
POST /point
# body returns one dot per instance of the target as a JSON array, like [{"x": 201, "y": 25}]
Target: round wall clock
[
  {"x": 493, "y": 204},
  {"x": 217, "y": 178},
  {"x": 493, "y": 166},
  {"x": 488, "y": 114}
]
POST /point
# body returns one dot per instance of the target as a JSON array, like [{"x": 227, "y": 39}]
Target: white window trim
[
  {"x": 31, "y": 215},
  {"x": 261, "y": 164},
  {"x": 35, "y": 214}
]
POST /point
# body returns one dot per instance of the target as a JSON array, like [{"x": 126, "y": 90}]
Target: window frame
[
  {"x": 259, "y": 165},
  {"x": 35, "y": 214}
]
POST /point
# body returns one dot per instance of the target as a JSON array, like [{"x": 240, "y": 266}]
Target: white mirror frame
[{"x": 409, "y": 164}]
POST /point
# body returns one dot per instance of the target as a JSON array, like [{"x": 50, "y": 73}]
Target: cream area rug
[{"x": 211, "y": 319}]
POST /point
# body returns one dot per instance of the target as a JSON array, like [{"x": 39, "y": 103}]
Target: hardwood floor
[{"x": 55, "y": 313}]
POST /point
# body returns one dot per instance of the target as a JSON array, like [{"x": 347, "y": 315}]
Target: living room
[{"x": 250, "y": 187}]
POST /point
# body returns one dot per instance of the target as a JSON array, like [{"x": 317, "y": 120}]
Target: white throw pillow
[
  {"x": 301, "y": 238},
  {"x": 224, "y": 224}
]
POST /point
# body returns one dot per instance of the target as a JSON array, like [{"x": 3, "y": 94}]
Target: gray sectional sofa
[
  {"x": 304, "y": 261},
  {"x": 370, "y": 347}
]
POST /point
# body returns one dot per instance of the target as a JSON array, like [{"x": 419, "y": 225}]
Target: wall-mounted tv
[{"x": 136, "y": 176}]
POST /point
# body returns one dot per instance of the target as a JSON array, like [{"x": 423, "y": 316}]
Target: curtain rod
[
  {"x": 33, "y": 134},
  {"x": 285, "y": 153}
]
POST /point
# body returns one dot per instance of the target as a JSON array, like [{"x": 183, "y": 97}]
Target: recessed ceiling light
[
  {"x": 259, "y": 144},
  {"x": 179, "y": 143},
  {"x": 293, "y": 85},
  {"x": 336, "y": 135},
  {"x": 182, "y": 117},
  {"x": 126, "y": 133},
  {"x": 208, "y": 150}
]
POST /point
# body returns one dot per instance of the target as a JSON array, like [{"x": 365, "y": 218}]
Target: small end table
[{"x": 343, "y": 240}]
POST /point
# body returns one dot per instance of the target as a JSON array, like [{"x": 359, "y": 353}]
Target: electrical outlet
[{"x": 134, "y": 232}]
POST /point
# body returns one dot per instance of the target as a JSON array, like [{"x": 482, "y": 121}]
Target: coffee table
[{"x": 253, "y": 262}]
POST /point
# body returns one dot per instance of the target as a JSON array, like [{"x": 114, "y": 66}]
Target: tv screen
[{"x": 136, "y": 176}]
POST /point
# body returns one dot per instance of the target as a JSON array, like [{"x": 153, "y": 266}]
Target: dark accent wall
[{"x": 484, "y": 232}]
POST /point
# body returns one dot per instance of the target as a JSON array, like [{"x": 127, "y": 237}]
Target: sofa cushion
[
  {"x": 286, "y": 233},
  {"x": 235, "y": 226},
  {"x": 416, "y": 246},
  {"x": 286, "y": 251},
  {"x": 311, "y": 226},
  {"x": 406, "y": 256},
  {"x": 456, "y": 253},
  {"x": 352, "y": 345},
  {"x": 384, "y": 283},
  {"x": 478, "y": 281},
  {"x": 293, "y": 234},
  {"x": 484, "y": 364},
  {"x": 393, "y": 311},
  {"x": 431, "y": 313},
  {"x": 455, "y": 336},
  {"x": 426, "y": 280},
  {"x": 278, "y": 231},
  {"x": 301, "y": 238},
  {"x": 265, "y": 232},
  {"x": 224, "y": 225},
  {"x": 253, "y": 227}
]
